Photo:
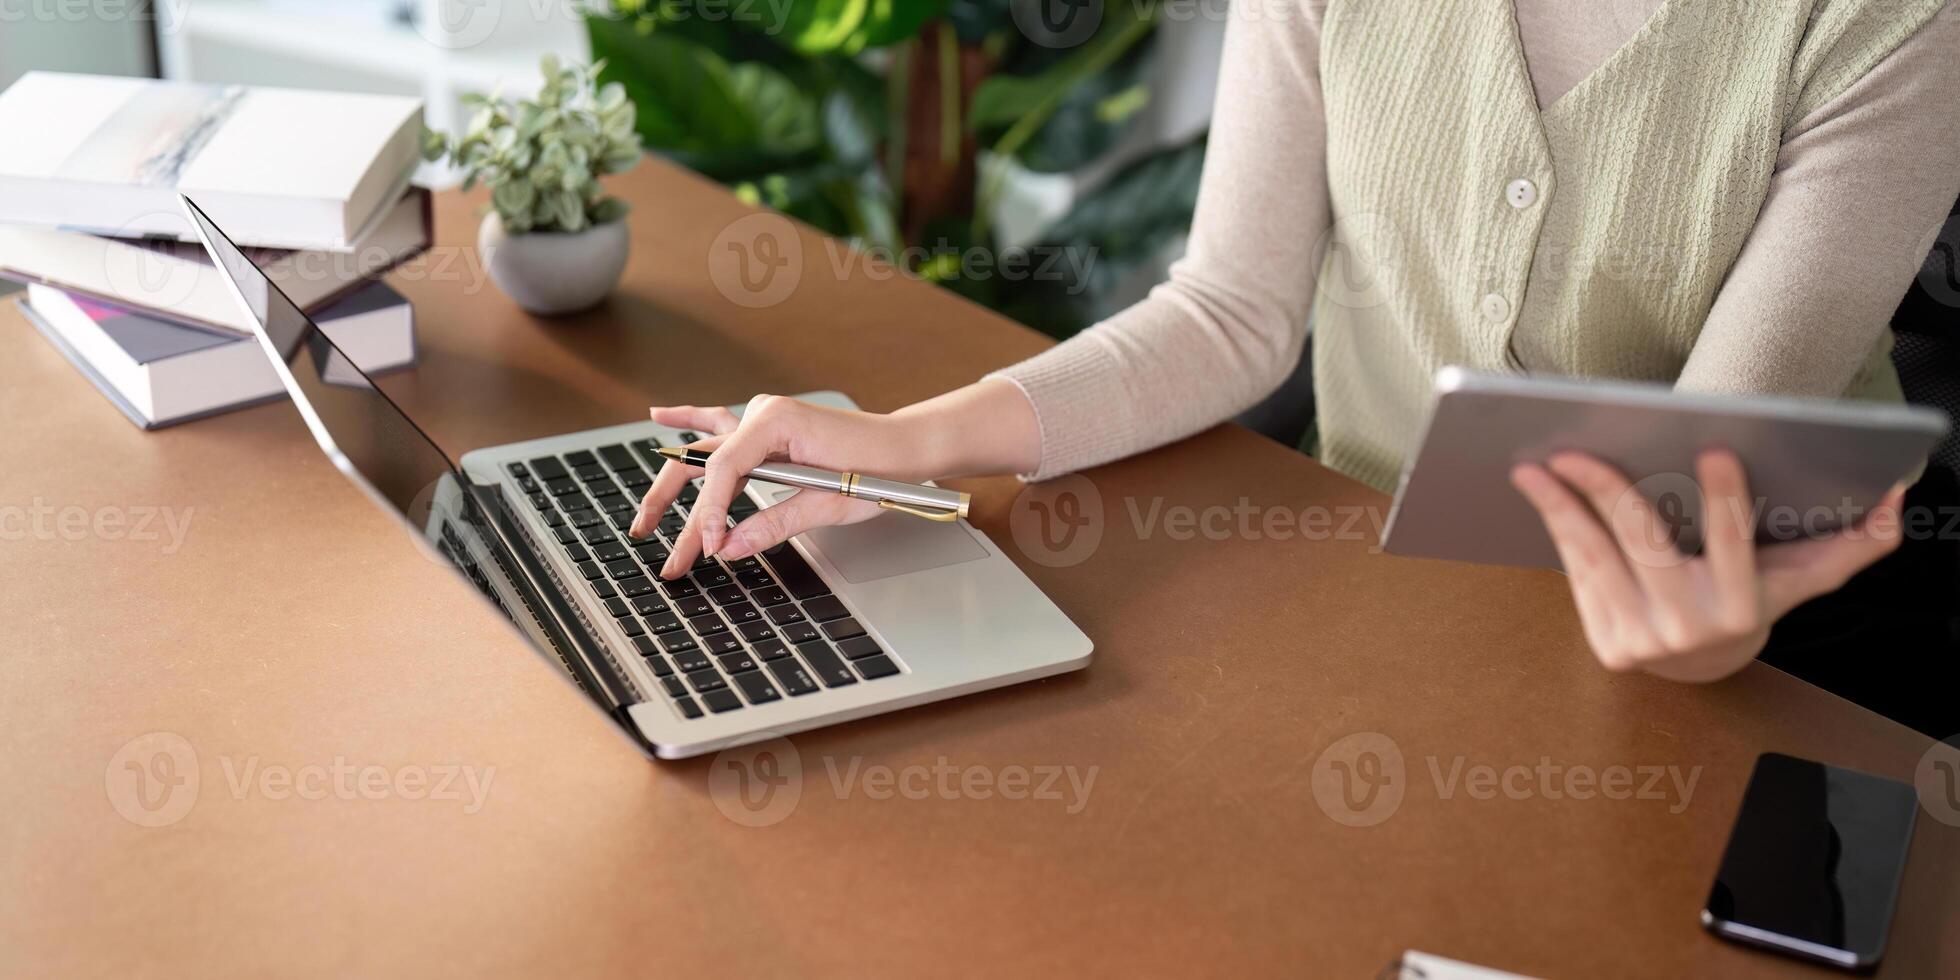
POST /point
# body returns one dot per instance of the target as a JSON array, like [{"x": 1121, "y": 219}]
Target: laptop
[{"x": 840, "y": 623}]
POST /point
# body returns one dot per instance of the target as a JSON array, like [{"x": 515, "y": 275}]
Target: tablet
[{"x": 1813, "y": 464}]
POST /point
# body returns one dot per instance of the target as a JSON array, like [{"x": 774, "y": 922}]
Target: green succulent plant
[{"x": 542, "y": 159}]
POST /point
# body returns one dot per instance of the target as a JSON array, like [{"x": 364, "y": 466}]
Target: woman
[{"x": 1725, "y": 196}]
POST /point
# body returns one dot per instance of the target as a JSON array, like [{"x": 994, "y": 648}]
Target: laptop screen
[
  {"x": 352, "y": 419},
  {"x": 375, "y": 443}
]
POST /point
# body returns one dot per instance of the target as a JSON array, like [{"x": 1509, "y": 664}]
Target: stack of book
[{"x": 314, "y": 184}]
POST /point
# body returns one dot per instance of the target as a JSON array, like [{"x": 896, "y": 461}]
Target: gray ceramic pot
[{"x": 554, "y": 272}]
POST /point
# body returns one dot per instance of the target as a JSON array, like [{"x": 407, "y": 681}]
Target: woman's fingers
[
  {"x": 714, "y": 419},
  {"x": 1610, "y": 601},
  {"x": 764, "y": 431},
  {"x": 1729, "y": 541},
  {"x": 774, "y": 525},
  {"x": 1801, "y": 570},
  {"x": 667, "y": 484}
]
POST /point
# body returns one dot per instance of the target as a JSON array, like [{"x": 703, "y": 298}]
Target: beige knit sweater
[{"x": 1857, "y": 174}]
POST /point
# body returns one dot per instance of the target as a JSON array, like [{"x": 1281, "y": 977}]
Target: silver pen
[{"x": 931, "y": 503}]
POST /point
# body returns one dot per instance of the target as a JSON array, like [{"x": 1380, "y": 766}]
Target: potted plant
[{"x": 552, "y": 240}]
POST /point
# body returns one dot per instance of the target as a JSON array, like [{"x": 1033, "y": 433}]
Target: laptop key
[
  {"x": 673, "y": 687},
  {"x": 650, "y": 605},
  {"x": 577, "y": 551},
  {"x": 554, "y": 519},
  {"x": 792, "y": 677},
  {"x": 722, "y": 643},
  {"x": 588, "y": 474},
  {"x": 858, "y": 647},
  {"x": 679, "y": 588},
  {"x": 617, "y": 457},
  {"x": 825, "y": 608},
  {"x": 754, "y": 632},
  {"x": 603, "y": 587},
  {"x": 875, "y": 667},
  {"x": 720, "y": 701},
  {"x": 706, "y": 680},
  {"x": 622, "y": 519},
  {"x": 785, "y": 614},
  {"x": 583, "y": 519},
  {"x": 770, "y": 595},
  {"x": 708, "y": 625},
  {"x": 713, "y": 578},
  {"x": 591, "y": 570},
  {"x": 548, "y": 467},
  {"x": 645, "y": 646},
  {"x": 631, "y": 626},
  {"x": 735, "y": 663},
  {"x": 565, "y": 535},
  {"x": 597, "y": 535},
  {"x": 770, "y": 649},
  {"x": 757, "y": 687},
  {"x": 688, "y": 707},
  {"x": 726, "y": 595},
  {"x": 541, "y": 501},
  {"x": 753, "y": 578},
  {"x": 617, "y": 606},
  {"x": 800, "y": 632},
  {"x": 633, "y": 588},
  {"x": 516, "y": 469},
  {"x": 694, "y": 605},
  {"x": 742, "y": 613},
  {"x": 652, "y": 552},
  {"x": 825, "y": 663},
  {"x": 561, "y": 487},
  {"x": 842, "y": 629},
  {"x": 796, "y": 574},
  {"x": 659, "y": 664},
  {"x": 690, "y": 660},
  {"x": 663, "y": 623},
  {"x": 623, "y": 568},
  {"x": 581, "y": 457}
]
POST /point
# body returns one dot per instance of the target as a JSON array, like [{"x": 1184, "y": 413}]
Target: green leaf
[
  {"x": 1055, "y": 118},
  {"x": 726, "y": 120},
  {"x": 1128, "y": 220}
]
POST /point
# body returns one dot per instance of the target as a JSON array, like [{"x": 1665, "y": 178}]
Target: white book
[
  {"x": 283, "y": 168},
  {"x": 160, "y": 372},
  {"x": 176, "y": 280}
]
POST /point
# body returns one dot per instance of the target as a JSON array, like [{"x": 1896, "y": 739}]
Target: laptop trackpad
[{"x": 891, "y": 544}]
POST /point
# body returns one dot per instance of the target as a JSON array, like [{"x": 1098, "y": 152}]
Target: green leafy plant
[
  {"x": 897, "y": 124},
  {"x": 542, "y": 159}
]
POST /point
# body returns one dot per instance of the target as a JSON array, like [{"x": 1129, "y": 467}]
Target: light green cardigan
[{"x": 1587, "y": 239}]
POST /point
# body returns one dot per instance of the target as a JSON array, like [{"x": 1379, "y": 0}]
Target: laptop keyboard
[{"x": 725, "y": 635}]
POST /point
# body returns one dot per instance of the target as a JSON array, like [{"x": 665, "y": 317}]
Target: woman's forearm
[{"x": 984, "y": 428}]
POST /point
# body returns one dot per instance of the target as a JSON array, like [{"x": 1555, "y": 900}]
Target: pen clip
[{"x": 943, "y": 516}]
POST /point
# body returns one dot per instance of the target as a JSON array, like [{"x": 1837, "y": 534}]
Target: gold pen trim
[{"x": 942, "y": 516}]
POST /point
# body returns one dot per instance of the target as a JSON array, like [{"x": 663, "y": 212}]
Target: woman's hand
[
  {"x": 985, "y": 427},
  {"x": 1646, "y": 605}
]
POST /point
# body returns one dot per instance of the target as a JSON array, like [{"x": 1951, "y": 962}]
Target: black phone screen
[{"x": 1814, "y": 863}]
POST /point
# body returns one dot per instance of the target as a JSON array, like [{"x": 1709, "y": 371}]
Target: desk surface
[{"x": 291, "y": 626}]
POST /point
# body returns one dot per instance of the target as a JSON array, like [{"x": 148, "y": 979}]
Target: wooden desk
[{"x": 293, "y": 626}]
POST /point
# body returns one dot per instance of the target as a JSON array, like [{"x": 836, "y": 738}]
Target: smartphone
[{"x": 1814, "y": 862}]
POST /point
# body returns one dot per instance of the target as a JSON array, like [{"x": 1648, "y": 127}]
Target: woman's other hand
[{"x": 1646, "y": 605}]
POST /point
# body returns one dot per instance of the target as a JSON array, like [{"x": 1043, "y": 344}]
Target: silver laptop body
[{"x": 839, "y": 624}]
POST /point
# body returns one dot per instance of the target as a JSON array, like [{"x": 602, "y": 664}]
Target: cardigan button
[
  {"x": 1521, "y": 193},
  {"x": 1496, "y": 308}
]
